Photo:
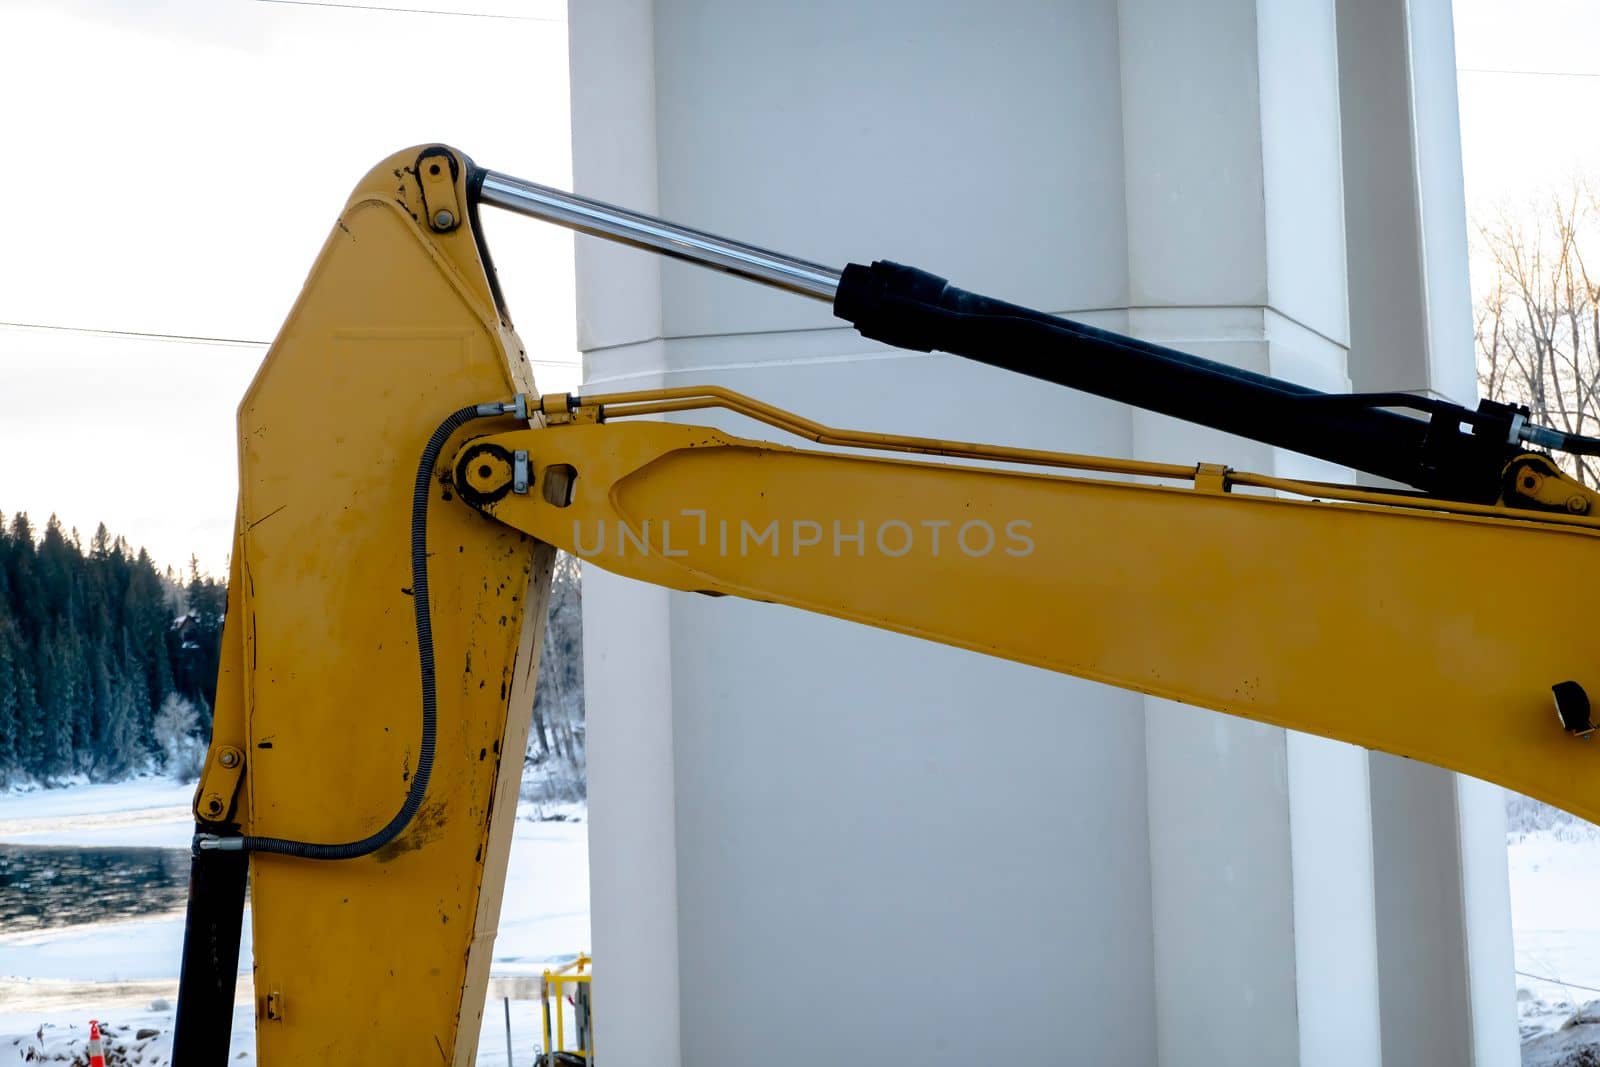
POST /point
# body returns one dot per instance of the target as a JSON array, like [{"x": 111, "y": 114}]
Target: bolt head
[
  {"x": 229, "y": 759},
  {"x": 443, "y": 219}
]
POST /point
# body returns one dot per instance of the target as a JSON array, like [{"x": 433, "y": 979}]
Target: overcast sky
[
  {"x": 1529, "y": 85},
  {"x": 177, "y": 165}
]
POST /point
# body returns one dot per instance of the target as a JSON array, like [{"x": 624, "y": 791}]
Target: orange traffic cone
[{"x": 97, "y": 1052}]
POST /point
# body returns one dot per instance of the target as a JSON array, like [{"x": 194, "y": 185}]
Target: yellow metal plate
[{"x": 396, "y": 328}]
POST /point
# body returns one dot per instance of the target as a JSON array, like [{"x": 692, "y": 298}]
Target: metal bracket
[
  {"x": 562, "y": 409},
  {"x": 214, "y": 800},
  {"x": 519, "y": 471},
  {"x": 1211, "y": 478},
  {"x": 1572, "y": 708},
  {"x": 1534, "y": 481},
  {"x": 437, "y": 170}
]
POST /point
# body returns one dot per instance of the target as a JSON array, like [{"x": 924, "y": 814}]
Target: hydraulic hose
[{"x": 430, "y": 704}]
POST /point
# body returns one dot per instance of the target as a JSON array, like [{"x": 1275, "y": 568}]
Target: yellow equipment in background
[
  {"x": 404, "y": 486},
  {"x": 567, "y": 982}
]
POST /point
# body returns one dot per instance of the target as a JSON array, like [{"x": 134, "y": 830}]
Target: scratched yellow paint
[
  {"x": 1411, "y": 628},
  {"x": 375, "y": 960}
]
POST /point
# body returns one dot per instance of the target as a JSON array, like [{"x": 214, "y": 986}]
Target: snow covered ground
[
  {"x": 53, "y": 981},
  {"x": 1555, "y": 881},
  {"x": 146, "y": 812}
]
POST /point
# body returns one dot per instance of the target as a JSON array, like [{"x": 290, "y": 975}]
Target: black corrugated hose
[{"x": 419, "y": 596}]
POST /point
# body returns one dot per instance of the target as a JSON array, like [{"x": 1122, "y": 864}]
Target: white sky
[
  {"x": 178, "y": 162},
  {"x": 1529, "y": 85},
  {"x": 177, "y": 165}
]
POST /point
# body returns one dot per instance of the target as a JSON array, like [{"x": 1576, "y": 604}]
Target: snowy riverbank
[
  {"x": 1555, "y": 880},
  {"x": 52, "y": 981},
  {"x": 60, "y": 978},
  {"x": 143, "y": 813}
]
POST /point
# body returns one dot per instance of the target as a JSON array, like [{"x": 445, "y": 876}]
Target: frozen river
[
  {"x": 43, "y": 886},
  {"x": 92, "y": 887}
]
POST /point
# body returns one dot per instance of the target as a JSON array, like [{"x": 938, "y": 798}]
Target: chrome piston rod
[{"x": 645, "y": 231}]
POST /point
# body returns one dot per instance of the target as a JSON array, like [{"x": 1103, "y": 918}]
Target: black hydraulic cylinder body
[
  {"x": 204, "y": 1024},
  {"x": 1455, "y": 452}
]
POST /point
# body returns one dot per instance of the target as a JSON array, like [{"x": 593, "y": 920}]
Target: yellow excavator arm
[
  {"x": 404, "y": 487},
  {"x": 1328, "y": 610}
]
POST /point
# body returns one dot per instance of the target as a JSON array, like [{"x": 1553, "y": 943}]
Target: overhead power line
[
  {"x": 196, "y": 339},
  {"x": 412, "y": 10},
  {"x": 183, "y": 338},
  {"x": 1559, "y": 982}
]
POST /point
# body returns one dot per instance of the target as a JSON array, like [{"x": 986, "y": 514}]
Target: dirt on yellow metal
[
  {"x": 383, "y": 958},
  {"x": 1362, "y": 615},
  {"x": 1377, "y": 619},
  {"x": 218, "y": 798}
]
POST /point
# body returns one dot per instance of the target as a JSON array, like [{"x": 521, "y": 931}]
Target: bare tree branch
[{"x": 1537, "y": 323}]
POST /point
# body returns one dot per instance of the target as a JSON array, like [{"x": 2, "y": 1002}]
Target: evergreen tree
[
  {"x": 11, "y": 710},
  {"x": 85, "y": 655},
  {"x": 200, "y": 649},
  {"x": 27, "y": 599},
  {"x": 95, "y": 641},
  {"x": 58, "y": 690}
]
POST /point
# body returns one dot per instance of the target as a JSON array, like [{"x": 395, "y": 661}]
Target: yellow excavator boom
[
  {"x": 1333, "y": 611},
  {"x": 404, "y": 486}
]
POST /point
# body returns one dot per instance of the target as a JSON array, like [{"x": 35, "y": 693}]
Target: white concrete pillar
[
  {"x": 812, "y": 831},
  {"x": 1444, "y": 917},
  {"x": 1442, "y": 888},
  {"x": 633, "y": 852},
  {"x": 864, "y": 823},
  {"x": 1260, "y": 847}
]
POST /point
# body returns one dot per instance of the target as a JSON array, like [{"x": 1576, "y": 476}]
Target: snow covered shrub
[
  {"x": 174, "y": 728},
  {"x": 1524, "y": 816}
]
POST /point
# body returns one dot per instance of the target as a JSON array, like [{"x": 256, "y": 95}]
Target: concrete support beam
[
  {"x": 860, "y": 819},
  {"x": 1444, "y": 915},
  {"x": 1261, "y": 861},
  {"x": 794, "y": 819}
]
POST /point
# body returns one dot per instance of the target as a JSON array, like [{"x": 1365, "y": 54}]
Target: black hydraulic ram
[
  {"x": 1454, "y": 453},
  {"x": 204, "y": 1024},
  {"x": 1449, "y": 451}
]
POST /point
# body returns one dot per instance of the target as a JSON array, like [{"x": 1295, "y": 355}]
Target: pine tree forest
[
  {"x": 108, "y": 664},
  {"x": 94, "y": 642}
]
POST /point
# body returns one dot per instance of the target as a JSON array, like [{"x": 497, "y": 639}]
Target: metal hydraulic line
[{"x": 1453, "y": 452}]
